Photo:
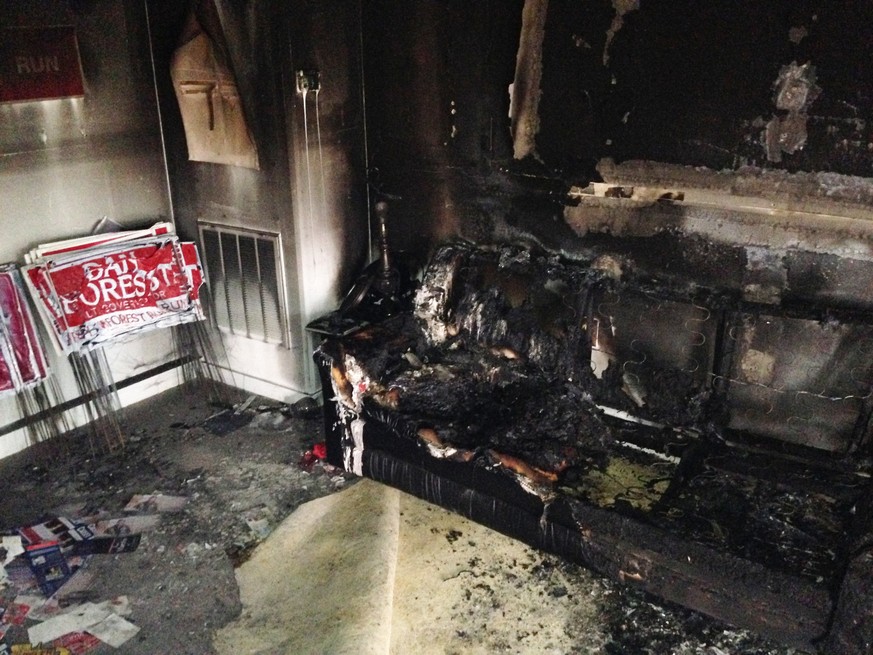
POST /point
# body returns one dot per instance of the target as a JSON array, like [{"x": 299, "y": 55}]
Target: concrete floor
[{"x": 368, "y": 570}]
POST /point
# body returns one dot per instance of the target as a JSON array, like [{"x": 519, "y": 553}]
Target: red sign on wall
[{"x": 39, "y": 63}]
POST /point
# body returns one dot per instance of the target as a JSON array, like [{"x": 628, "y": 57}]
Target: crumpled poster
[{"x": 209, "y": 100}]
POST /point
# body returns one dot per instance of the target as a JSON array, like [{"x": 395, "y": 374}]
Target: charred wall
[
  {"x": 436, "y": 76},
  {"x": 768, "y": 102},
  {"x": 212, "y": 191},
  {"x": 700, "y": 83}
]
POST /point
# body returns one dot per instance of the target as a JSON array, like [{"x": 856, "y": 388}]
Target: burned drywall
[
  {"x": 436, "y": 79},
  {"x": 795, "y": 90},
  {"x": 778, "y": 84},
  {"x": 481, "y": 116}
]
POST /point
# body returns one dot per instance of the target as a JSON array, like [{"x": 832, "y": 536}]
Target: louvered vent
[{"x": 245, "y": 280}]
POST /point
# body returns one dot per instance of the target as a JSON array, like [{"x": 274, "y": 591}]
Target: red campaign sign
[
  {"x": 22, "y": 361},
  {"x": 78, "y": 643},
  {"x": 95, "y": 298},
  {"x": 6, "y": 382},
  {"x": 16, "y": 614},
  {"x": 39, "y": 63}
]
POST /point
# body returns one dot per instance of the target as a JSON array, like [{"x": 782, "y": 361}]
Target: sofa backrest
[{"x": 679, "y": 358}]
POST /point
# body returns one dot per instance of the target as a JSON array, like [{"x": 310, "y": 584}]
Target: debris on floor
[
  {"x": 78, "y": 643},
  {"x": 268, "y": 416},
  {"x": 306, "y": 407},
  {"x": 57, "y": 551},
  {"x": 48, "y": 565},
  {"x": 318, "y": 453},
  {"x": 146, "y": 504},
  {"x": 105, "y": 621},
  {"x": 227, "y": 421},
  {"x": 27, "y": 649},
  {"x": 180, "y": 581},
  {"x": 190, "y": 504}
]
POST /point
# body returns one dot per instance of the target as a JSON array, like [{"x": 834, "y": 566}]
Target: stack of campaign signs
[
  {"x": 22, "y": 360},
  {"x": 103, "y": 288}
]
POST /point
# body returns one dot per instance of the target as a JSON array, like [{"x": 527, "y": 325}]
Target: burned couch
[{"x": 669, "y": 436}]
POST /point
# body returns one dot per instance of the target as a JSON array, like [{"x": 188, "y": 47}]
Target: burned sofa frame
[{"x": 713, "y": 452}]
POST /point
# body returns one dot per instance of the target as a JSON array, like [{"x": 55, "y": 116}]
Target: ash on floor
[
  {"x": 240, "y": 484},
  {"x": 180, "y": 580}
]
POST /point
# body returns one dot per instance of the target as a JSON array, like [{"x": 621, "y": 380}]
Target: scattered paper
[
  {"x": 48, "y": 565},
  {"x": 46, "y": 610},
  {"x": 16, "y": 613},
  {"x": 20, "y": 575},
  {"x": 119, "y": 605},
  {"x": 12, "y": 546},
  {"x": 151, "y": 503},
  {"x": 98, "y": 619},
  {"x": 27, "y": 649},
  {"x": 31, "y": 601},
  {"x": 126, "y": 525},
  {"x": 60, "y": 529},
  {"x": 78, "y": 619},
  {"x": 78, "y": 586},
  {"x": 114, "y": 630}
]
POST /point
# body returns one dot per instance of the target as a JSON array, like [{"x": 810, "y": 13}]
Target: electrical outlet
[{"x": 308, "y": 81}]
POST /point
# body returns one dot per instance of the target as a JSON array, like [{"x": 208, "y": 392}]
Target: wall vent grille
[{"x": 244, "y": 270}]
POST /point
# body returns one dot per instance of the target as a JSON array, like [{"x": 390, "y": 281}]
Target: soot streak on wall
[{"x": 310, "y": 188}]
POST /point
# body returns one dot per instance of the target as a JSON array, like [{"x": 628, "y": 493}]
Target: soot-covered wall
[
  {"x": 309, "y": 188},
  {"x": 761, "y": 91},
  {"x": 700, "y": 83}
]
